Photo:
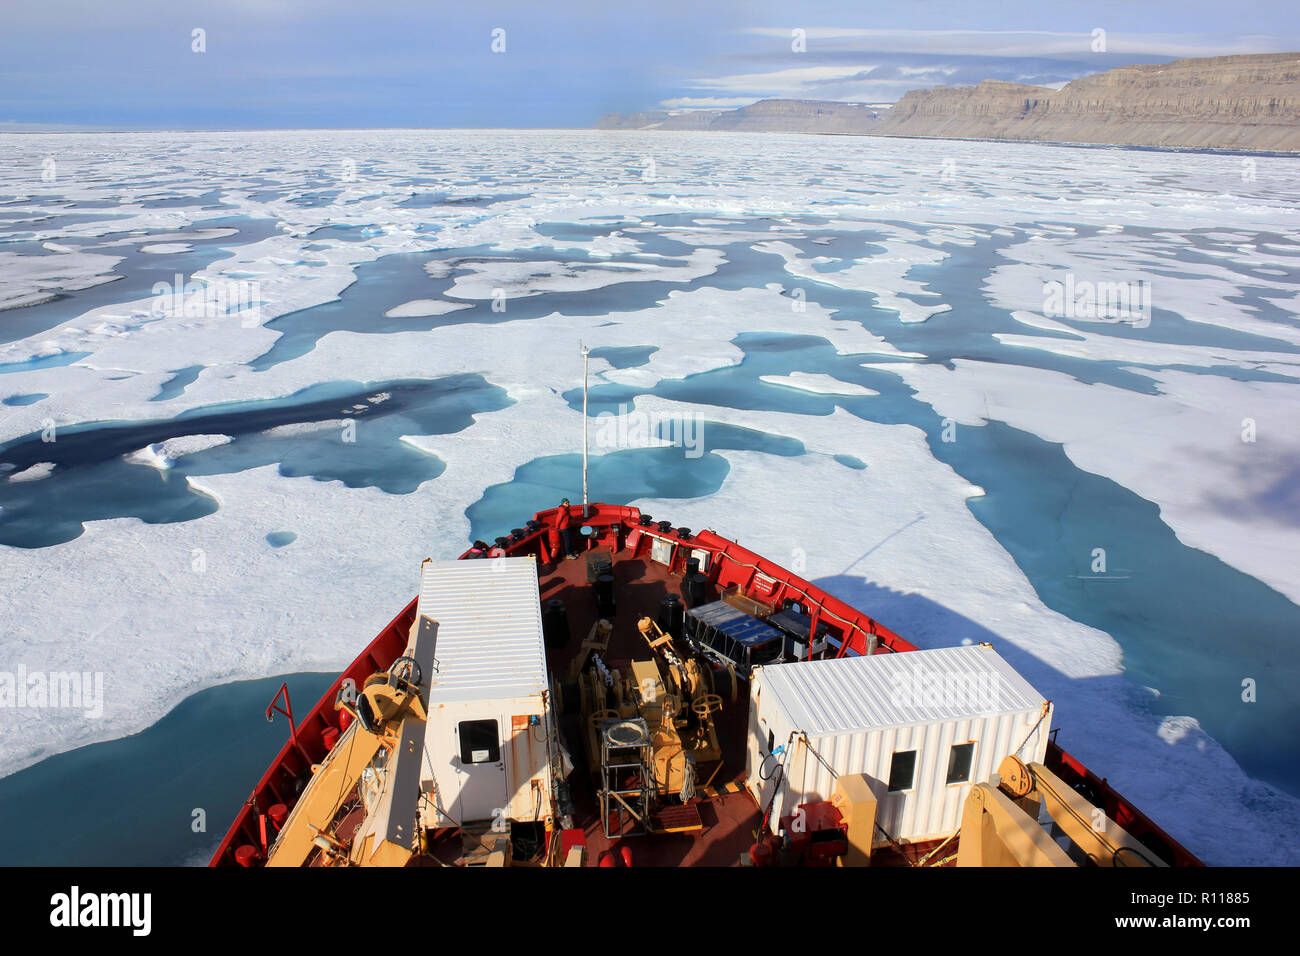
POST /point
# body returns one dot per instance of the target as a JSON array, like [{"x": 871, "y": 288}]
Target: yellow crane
[
  {"x": 386, "y": 737},
  {"x": 1000, "y": 825}
]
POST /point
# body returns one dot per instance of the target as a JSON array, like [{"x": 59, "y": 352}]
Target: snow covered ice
[{"x": 841, "y": 297}]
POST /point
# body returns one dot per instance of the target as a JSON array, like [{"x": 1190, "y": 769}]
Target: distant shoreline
[
  {"x": 1245, "y": 103},
  {"x": 1215, "y": 150}
]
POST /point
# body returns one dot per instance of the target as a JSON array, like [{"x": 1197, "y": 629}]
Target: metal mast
[{"x": 586, "y": 511}]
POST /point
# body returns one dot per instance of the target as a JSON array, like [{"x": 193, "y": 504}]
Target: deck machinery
[{"x": 648, "y": 730}]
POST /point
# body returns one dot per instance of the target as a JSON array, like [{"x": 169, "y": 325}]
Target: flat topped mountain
[
  {"x": 1249, "y": 102},
  {"x": 1229, "y": 102}
]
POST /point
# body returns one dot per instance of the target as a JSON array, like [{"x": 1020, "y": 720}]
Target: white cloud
[
  {"x": 839, "y": 83},
  {"x": 1035, "y": 43},
  {"x": 780, "y": 81},
  {"x": 706, "y": 102},
  {"x": 927, "y": 70}
]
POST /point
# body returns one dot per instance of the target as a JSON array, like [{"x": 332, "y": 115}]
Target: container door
[{"x": 480, "y": 772}]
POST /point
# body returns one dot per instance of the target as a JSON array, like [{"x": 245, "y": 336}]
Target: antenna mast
[{"x": 586, "y": 511}]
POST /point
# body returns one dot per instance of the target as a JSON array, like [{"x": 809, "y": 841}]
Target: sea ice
[
  {"x": 28, "y": 280},
  {"x": 1210, "y": 451},
  {"x": 421, "y": 307},
  {"x": 884, "y": 276},
  {"x": 916, "y": 556},
  {"x": 36, "y": 472},
  {"x": 162, "y": 455},
  {"x": 821, "y": 384}
]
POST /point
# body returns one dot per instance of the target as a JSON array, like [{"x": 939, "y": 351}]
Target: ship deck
[
  {"x": 729, "y": 815},
  {"x": 718, "y": 826}
]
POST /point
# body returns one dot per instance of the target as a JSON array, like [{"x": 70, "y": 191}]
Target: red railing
[{"x": 1136, "y": 823}]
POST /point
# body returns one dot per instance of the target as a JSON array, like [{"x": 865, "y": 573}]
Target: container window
[
  {"x": 901, "y": 770},
  {"x": 959, "y": 761},
  {"x": 479, "y": 742}
]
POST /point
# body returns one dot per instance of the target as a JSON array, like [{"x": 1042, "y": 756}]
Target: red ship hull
[{"x": 619, "y": 528}]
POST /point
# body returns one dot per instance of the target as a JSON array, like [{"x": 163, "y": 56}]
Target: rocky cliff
[
  {"x": 1227, "y": 102},
  {"x": 1249, "y": 102}
]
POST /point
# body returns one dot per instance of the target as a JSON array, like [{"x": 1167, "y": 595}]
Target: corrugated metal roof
[
  {"x": 888, "y": 690},
  {"x": 489, "y": 616}
]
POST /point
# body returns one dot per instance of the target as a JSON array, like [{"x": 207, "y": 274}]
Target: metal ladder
[{"x": 627, "y": 777}]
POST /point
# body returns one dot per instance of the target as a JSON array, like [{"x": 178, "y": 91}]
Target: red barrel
[
  {"x": 278, "y": 814},
  {"x": 762, "y": 853},
  {"x": 245, "y": 855},
  {"x": 330, "y": 737}
]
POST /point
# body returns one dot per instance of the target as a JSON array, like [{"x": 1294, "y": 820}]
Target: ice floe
[
  {"x": 420, "y": 307},
  {"x": 165, "y": 248},
  {"x": 820, "y": 384},
  {"x": 36, "y": 472},
  {"x": 29, "y": 280},
  {"x": 162, "y": 455},
  {"x": 883, "y": 275}
]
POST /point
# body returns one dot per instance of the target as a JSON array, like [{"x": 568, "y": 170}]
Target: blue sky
[{"x": 430, "y": 63}]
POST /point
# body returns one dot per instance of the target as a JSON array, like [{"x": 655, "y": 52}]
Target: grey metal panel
[{"x": 405, "y": 784}]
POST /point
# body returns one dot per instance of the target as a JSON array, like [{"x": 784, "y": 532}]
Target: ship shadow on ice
[
  {"x": 928, "y": 624},
  {"x": 1261, "y": 488}
]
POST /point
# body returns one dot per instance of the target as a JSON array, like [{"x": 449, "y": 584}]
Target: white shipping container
[
  {"x": 486, "y": 751},
  {"x": 958, "y": 711}
]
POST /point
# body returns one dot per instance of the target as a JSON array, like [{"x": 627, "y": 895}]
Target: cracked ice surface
[{"x": 905, "y": 251}]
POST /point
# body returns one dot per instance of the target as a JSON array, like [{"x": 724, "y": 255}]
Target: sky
[{"x": 271, "y": 64}]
